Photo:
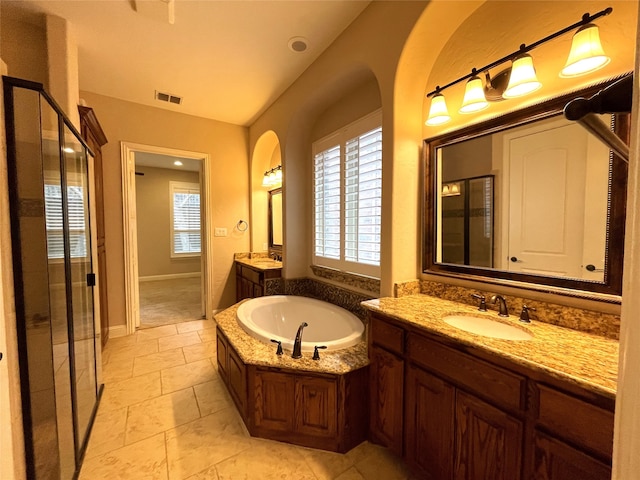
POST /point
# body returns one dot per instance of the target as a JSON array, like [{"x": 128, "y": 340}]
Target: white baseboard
[
  {"x": 169, "y": 276},
  {"x": 117, "y": 331}
]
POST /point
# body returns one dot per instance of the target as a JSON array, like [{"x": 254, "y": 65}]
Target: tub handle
[
  {"x": 316, "y": 354},
  {"x": 279, "y": 349}
]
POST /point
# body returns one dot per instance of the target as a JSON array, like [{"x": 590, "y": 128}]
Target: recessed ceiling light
[
  {"x": 68, "y": 150},
  {"x": 178, "y": 163},
  {"x": 298, "y": 44}
]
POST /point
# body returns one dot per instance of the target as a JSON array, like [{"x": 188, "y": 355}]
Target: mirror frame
[
  {"x": 272, "y": 246},
  {"x": 612, "y": 284}
]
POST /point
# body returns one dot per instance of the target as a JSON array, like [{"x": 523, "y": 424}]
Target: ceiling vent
[{"x": 167, "y": 97}]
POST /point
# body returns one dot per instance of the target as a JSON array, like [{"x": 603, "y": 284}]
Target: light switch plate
[{"x": 220, "y": 232}]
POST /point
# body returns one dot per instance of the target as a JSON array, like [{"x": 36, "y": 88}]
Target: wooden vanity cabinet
[
  {"x": 466, "y": 418},
  {"x": 251, "y": 282}
]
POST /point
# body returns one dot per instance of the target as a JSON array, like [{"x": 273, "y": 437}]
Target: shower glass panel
[{"x": 53, "y": 280}]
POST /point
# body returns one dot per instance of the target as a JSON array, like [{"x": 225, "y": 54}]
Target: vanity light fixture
[
  {"x": 450, "y": 189},
  {"x": 586, "y": 56},
  {"x": 474, "y": 99},
  {"x": 272, "y": 177}
]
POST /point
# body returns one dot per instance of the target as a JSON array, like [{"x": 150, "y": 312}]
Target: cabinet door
[
  {"x": 316, "y": 409},
  {"x": 488, "y": 441},
  {"x": 387, "y": 381},
  {"x": 237, "y": 380},
  {"x": 429, "y": 424},
  {"x": 257, "y": 291},
  {"x": 274, "y": 401},
  {"x": 222, "y": 355},
  {"x": 555, "y": 460}
]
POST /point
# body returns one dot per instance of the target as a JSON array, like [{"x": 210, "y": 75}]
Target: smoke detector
[
  {"x": 168, "y": 97},
  {"x": 298, "y": 44}
]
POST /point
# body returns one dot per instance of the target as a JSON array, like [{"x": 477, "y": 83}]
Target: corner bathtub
[{"x": 279, "y": 316}]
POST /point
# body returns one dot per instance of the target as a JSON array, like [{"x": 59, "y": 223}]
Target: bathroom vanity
[
  {"x": 252, "y": 275},
  {"x": 461, "y": 406}
]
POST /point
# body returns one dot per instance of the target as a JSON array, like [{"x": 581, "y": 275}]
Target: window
[
  {"x": 348, "y": 197},
  {"x": 185, "y": 219},
  {"x": 54, "y": 221}
]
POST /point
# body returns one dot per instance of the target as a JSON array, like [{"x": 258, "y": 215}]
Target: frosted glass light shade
[
  {"x": 265, "y": 180},
  {"x": 438, "y": 113},
  {"x": 279, "y": 175},
  {"x": 586, "y": 53},
  {"x": 474, "y": 99},
  {"x": 523, "y": 78}
]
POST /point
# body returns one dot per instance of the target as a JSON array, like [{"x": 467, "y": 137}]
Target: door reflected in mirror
[{"x": 275, "y": 220}]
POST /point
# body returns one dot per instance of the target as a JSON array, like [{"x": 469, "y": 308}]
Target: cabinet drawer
[
  {"x": 387, "y": 335},
  {"x": 500, "y": 386},
  {"x": 576, "y": 421},
  {"x": 251, "y": 275}
]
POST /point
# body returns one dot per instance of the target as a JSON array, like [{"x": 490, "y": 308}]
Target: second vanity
[{"x": 456, "y": 405}]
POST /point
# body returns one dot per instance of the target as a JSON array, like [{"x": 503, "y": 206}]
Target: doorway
[{"x": 165, "y": 194}]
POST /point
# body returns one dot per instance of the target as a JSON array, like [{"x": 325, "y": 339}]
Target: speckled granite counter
[
  {"x": 260, "y": 263},
  {"x": 584, "y": 359},
  {"x": 254, "y": 352}
]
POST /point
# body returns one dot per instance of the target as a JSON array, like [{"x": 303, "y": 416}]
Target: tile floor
[{"x": 165, "y": 414}]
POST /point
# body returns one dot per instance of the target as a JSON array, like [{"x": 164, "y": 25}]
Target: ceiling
[
  {"x": 156, "y": 160},
  {"x": 229, "y": 60}
]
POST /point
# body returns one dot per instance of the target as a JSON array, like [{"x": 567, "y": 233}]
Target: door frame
[{"x": 129, "y": 226}]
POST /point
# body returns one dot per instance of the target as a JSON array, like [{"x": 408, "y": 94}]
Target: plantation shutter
[
  {"x": 327, "y": 203},
  {"x": 186, "y": 219},
  {"x": 54, "y": 221}
]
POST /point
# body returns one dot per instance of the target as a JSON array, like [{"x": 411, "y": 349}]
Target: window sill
[{"x": 362, "y": 282}]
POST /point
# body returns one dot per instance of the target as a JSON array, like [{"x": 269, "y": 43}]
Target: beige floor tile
[
  {"x": 351, "y": 474},
  {"x": 116, "y": 371},
  {"x": 161, "y": 413},
  {"x": 143, "y": 460},
  {"x": 116, "y": 354},
  {"x": 144, "y": 335},
  {"x": 381, "y": 463},
  {"x": 209, "y": 474},
  {"x": 176, "y": 341},
  {"x": 157, "y": 361},
  {"x": 266, "y": 460},
  {"x": 188, "y": 375},
  {"x": 199, "y": 351},
  {"x": 119, "y": 342},
  {"x": 198, "y": 445},
  {"x": 195, "y": 325},
  {"x": 107, "y": 433},
  {"x": 212, "y": 397},
  {"x": 326, "y": 465},
  {"x": 131, "y": 391},
  {"x": 208, "y": 335}
]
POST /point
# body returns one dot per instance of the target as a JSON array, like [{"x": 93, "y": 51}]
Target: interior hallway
[
  {"x": 165, "y": 302},
  {"x": 165, "y": 414}
]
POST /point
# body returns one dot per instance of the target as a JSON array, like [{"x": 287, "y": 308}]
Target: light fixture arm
[{"x": 586, "y": 18}]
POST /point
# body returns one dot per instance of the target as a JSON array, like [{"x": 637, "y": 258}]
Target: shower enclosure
[{"x": 48, "y": 170}]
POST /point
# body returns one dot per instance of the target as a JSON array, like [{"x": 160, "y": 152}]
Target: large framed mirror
[
  {"x": 528, "y": 197},
  {"x": 275, "y": 220}
]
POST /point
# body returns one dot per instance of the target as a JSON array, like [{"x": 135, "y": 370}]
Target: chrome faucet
[
  {"x": 504, "y": 311},
  {"x": 297, "y": 345}
]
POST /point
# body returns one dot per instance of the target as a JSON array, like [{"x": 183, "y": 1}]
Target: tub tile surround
[
  {"x": 360, "y": 282},
  {"x": 597, "y": 323},
  {"x": 587, "y": 360},
  {"x": 143, "y": 431},
  {"x": 255, "y": 352}
]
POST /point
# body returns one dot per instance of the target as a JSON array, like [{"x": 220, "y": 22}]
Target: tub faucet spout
[{"x": 297, "y": 345}]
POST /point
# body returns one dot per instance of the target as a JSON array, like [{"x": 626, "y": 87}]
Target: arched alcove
[{"x": 266, "y": 156}]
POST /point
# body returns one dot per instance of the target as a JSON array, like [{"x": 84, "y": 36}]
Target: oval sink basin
[{"x": 487, "y": 327}]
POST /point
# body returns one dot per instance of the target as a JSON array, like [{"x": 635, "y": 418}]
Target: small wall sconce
[
  {"x": 586, "y": 56},
  {"x": 273, "y": 177},
  {"x": 450, "y": 189}
]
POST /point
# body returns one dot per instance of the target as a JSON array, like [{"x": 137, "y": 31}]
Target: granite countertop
[
  {"x": 254, "y": 352},
  {"x": 260, "y": 263},
  {"x": 587, "y": 360}
]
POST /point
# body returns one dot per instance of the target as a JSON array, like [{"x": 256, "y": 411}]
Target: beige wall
[
  {"x": 23, "y": 47},
  {"x": 227, "y": 146},
  {"x": 153, "y": 212}
]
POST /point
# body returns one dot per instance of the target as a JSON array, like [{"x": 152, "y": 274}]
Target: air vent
[{"x": 167, "y": 97}]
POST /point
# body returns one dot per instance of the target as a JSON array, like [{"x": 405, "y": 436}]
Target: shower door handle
[{"x": 91, "y": 279}]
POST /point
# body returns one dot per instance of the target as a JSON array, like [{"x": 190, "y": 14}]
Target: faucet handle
[
  {"x": 524, "y": 314},
  {"x": 316, "y": 354},
  {"x": 279, "y": 349},
  {"x": 483, "y": 305}
]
